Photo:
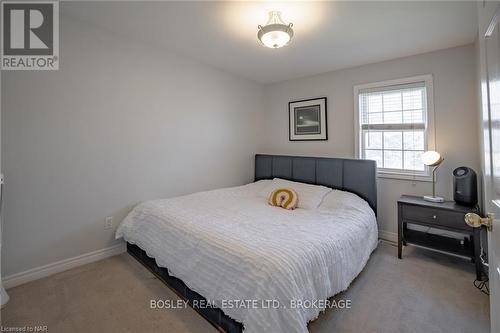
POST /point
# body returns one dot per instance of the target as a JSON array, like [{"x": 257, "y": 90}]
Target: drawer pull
[{"x": 434, "y": 217}]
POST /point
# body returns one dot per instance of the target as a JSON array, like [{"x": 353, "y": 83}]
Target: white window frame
[{"x": 429, "y": 134}]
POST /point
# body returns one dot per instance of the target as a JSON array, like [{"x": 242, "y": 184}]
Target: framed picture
[{"x": 307, "y": 120}]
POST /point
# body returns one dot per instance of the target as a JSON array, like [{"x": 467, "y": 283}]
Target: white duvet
[{"x": 241, "y": 254}]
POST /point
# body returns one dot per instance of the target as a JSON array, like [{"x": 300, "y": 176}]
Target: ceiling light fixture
[{"x": 275, "y": 33}]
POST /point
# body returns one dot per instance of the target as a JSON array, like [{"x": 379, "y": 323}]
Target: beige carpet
[{"x": 424, "y": 292}]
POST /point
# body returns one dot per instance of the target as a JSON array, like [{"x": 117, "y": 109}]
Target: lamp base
[{"x": 433, "y": 199}]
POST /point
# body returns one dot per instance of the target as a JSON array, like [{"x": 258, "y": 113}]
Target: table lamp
[{"x": 432, "y": 159}]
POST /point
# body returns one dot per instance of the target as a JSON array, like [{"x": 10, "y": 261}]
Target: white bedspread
[{"x": 229, "y": 244}]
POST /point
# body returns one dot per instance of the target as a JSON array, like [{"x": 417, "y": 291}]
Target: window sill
[{"x": 404, "y": 176}]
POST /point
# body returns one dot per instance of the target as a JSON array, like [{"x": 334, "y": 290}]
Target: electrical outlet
[{"x": 108, "y": 223}]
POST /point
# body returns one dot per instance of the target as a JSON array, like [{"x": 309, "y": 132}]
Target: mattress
[{"x": 262, "y": 265}]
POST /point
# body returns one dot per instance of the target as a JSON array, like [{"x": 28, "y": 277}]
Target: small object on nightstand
[
  {"x": 447, "y": 216},
  {"x": 465, "y": 186}
]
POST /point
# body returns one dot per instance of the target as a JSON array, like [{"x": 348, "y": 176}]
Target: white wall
[
  {"x": 122, "y": 122},
  {"x": 119, "y": 123},
  {"x": 455, "y": 112}
]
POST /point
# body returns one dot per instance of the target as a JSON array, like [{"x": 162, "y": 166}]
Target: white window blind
[{"x": 393, "y": 126}]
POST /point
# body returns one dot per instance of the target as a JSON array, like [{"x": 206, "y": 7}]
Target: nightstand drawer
[
  {"x": 453, "y": 220},
  {"x": 420, "y": 214},
  {"x": 436, "y": 217}
]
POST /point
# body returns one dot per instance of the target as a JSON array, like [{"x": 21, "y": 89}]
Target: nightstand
[{"x": 446, "y": 216}]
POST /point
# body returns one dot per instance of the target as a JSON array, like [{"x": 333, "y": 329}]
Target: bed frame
[
  {"x": 357, "y": 176},
  {"x": 214, "y": 315}
]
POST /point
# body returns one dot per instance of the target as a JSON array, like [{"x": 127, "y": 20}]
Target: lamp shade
[
  {"x": 432, "y": 158},
  {"x": 274, "y": 36},
  {"x": 275, "y": 33}
]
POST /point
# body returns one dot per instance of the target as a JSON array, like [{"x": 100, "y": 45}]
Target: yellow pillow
[{"x": 284, "y": 197}]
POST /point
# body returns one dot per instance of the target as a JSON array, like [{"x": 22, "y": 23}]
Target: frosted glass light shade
[
  {"x": 275, "y": 39},
  {"x": 432, "y": 158}
]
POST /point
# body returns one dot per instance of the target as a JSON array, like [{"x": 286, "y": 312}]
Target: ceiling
[{"x": 327, "y": 35}]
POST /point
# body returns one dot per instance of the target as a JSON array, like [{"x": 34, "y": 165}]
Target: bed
[{"x": 247, "y": 266}]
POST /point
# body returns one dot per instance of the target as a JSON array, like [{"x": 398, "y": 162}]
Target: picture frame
[{"x": 307, "y": 120}]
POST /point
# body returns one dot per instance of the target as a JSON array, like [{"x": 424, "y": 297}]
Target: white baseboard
[
  {"x": 388, "y": 236},
  {"x": 60, "y": 266}
]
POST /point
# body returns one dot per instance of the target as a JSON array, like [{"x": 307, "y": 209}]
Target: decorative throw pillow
[
  {"x": 284, "y": 197},
  {"x": 310, "y": 195}
]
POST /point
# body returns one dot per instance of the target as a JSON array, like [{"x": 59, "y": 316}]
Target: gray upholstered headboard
[{"x": 356, "y": 176}]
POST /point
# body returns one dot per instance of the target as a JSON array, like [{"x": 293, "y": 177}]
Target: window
[{"x": 394, "y": 125}]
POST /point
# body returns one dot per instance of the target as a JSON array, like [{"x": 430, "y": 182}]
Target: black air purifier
[{"x": 465, "y": 186}]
